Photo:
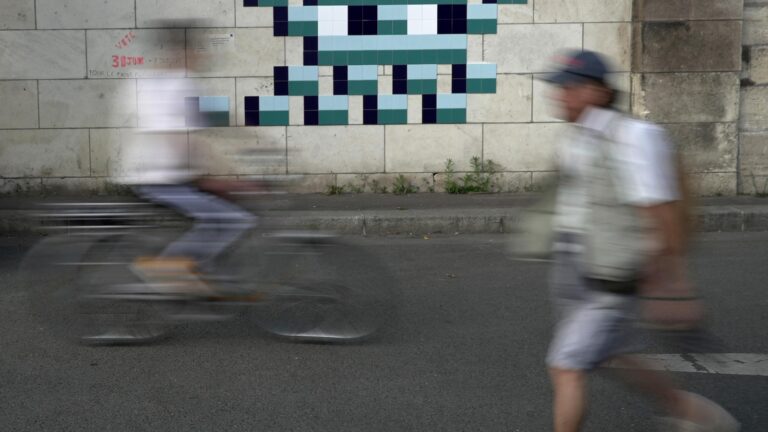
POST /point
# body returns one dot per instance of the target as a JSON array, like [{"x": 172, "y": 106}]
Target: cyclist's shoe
[{"x": 174, "y": 274}]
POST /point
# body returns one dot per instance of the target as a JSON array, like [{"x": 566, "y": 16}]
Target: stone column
[
  {"x": 685, "y": 74},
  {"x": 753, "y": 160}
]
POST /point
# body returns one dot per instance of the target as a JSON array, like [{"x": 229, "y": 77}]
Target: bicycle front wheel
[{"x": 321, "y": 289}]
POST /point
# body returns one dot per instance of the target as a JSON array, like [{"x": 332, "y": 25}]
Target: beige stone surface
[
  {"x": 252, "y": 16},
  {"x": 688, "y": 46},
  {"x": 528, "y": 48},
  {"x": 425, "y": 148},
  {"x": 753, "y": 184},
  {"x": 542, "y": 179},
  {"x": 757, "y": 68},
  {"x": 161, "y": 51},
  {"x": 575, "y": 11},
  {"x": 376, "y": 182},
  {"x": 296, "y": 111},
  {"x": 38, "y": 54},
  {"x": 614, "y": 40},
  {"x": 216, "y": 13},
  {"x": 109, "y": 145},
  {"x": 515, "y": 182},
  {"x": 203, "y": 87},
  {"x": 516, "y": 14},
  {"x": 44, "y": 153},
  {"x": 85, "y": 14},
  {"x": 672, "y": 10},
  {"x": 356, "y": 110},
  {"x": 314, "y": 183},
  {"x": 523, "y": 147},
  {"x": 706, "y": 147},
  {"x": 512, "y": 101},
  {"x": 239, "y": 150},
  {"x": 714, "y": 184},
  {"x": 255, "y": 53},
  {"x": 686, "y": 97},
  {"x": 80, "y": 185},
  {"x": 20, "y": 186},
  {"x": 87, "y": 103},
  {"x": 754, "y": 153},
  {"x": 475, "y": 48},
  {"x": 754, "y": 109},
  {"x": 335, "y": 149},
  {"x": 755, "y": 24},
  {"x": 17, "y": 14},
  {"x": 294, "y": 50},
  {"x": 22, "y": 112},
  {"x": 255, "y": 87},
  {"x": 415, "y": 107}
]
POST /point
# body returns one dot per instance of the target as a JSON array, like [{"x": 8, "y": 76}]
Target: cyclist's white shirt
[
  {"x": 647, "y": 174},
  {"x": 158, "y": 151}
]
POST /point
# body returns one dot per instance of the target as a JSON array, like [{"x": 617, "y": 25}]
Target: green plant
[
  {"x": 334, "y": 190},
  {"x": 479, "y": 179},
  {"x": 403, "y": 186}
]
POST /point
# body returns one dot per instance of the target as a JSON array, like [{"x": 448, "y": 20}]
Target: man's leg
[{"x": 570, "y": 401}]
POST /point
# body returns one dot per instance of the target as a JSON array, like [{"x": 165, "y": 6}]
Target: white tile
[{"x": 17, "y": 14}]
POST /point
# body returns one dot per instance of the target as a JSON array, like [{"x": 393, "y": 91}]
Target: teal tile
[
  {"x": 333, "y": 117},
  {"x": 362, "y": 87},
  {"x": 273, "y": 118}
]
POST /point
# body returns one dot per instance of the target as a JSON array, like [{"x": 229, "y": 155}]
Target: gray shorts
[{"x": 592, "y": 326}]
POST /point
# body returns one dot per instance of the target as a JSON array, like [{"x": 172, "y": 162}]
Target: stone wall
[
  {"x": 69, "y": 88},
  {"x": 753, "y": 168},
  {"x": 686, "y": 63}
]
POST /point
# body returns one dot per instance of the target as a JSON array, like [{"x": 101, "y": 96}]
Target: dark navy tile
[
  {"x": 370, "y": 102},
  {"x": 370, "y": 13},
  {"x": 251, "y": 118},
  {"x": 310, "y": 2},
  {"x": 280, "y": 14},
  {"x": 429, "y": 101},
  {"x": 251, "y": 103},
  {"x": 400, "y": 86},
  {"x": 310, "y": 43},
  {"x": 429, "y": 116},
  {"x": 281, "y": 88},
  {"x": 340, "y": 87},
  {"x": 311, "y": 117},
  {"x": 340, "y": 73},
  {"x": 311, "y": 103},
  {"x": 400, "y": 72},
  {"x": 355, "y": 28},
  {"x": 459, "y": 71},
  {"x": 280, "y": 29},
  {"x": 370, "y": 117},
  {"x": 251, "y": 3},
  {"x": 281, "y": 73},
  {"x": 311, "y": 58},
  {"x": 459, "y": 86}
]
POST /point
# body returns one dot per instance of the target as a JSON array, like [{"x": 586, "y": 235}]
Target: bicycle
[{"x": 303, "y": 286}]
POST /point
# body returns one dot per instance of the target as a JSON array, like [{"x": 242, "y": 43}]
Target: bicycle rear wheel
[{"x": 321, "y": 289}]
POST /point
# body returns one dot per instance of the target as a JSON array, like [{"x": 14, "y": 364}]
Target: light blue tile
[
  {"x": 481, "y": 70},
  {"x": 363, "y": 72},
  {"x": 422, "y": 71},
  {"x": 393, "y": 42},
  {"x": 333, "y": 103},
  {"x": 302, "y": 13},
  {"x": 273, "y": 103},
  {"x": 393, "y": 102},
  {"x": 482, "y": 11},
  {"x": 451, "y": 101},
  {"x": 214, "y": 103},
  {"x": 392, "y": 13}
]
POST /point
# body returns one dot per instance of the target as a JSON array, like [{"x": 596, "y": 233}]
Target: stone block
[
  {"x": 578, "y": 11},
  {"x": 16, "y": 187},
  {"x": 239, "y": 150},
  {"x": 714, "y": 184},
  {"x": 516, "y": 14},
  {"x": 475, "y": 48},
  {"x": 217, "y": 13},
  {"x": 755, "y": 68},
  {"x": 335, "y": 149},
  {"x": 85, "y": 14},
  {"x": 200, "y": 86},
  {"x": 252, "y": 16},
  {"x": 255, "y": 53},
  {"x": 17, "y": 14},
  {"x": 523, "y": 147},
  {"x": 109, "y": 145},
  {"x": 542, "y": 180},
  {"x": 755, "y": 24},
  {"x": 513, "y": 182},
  {"x": 512, "y": 101},
  {"x": 528, "y": 48},
  {"x": 87, "y": 103},
  {"x": 294, "y": 50},
  {"x": 613, "y": 40},
  {"x": 753, "y": 184},
  {"x": 138, "y": 53},
  {"x": 706, "y": 147},
  {"x": 258, "y": 87},
  {"x": 44, "y": 153},
  {"x": 687, "y": 10},
  {"x": 317, "y": 183},
  {"x": 36, "y": 54},
  {"x": 686, "y": 97},
  {"x": 687, "y": 46},
  {"x": 425, "y": 148},
  {"x": 754, "y": 109},
  {"x": 753, "y": 156},
  {"x": 22, "y": 112},
  {"x": 79, "y": 186}
]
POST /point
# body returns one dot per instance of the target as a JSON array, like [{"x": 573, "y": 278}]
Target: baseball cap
[{"x": 577, "y": 67}]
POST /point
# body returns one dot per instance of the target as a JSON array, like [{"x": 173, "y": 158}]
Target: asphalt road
[{"x": 466, "y": 354}]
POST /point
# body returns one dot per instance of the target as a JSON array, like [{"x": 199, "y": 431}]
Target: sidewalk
[{"x": 380, "y": 214}]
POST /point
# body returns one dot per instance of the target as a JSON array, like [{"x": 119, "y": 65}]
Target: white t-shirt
[
  {"x": 158, "y": 152},
  {"x": 646, "y": 176}
]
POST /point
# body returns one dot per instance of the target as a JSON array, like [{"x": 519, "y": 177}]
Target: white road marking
[{"x": 724, "y": 364}]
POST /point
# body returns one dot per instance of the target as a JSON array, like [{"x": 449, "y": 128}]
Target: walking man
[{"x": 616, "y": 214}]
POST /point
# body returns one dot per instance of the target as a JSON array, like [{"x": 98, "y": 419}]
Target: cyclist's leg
[{"x": 217, "y": 223}]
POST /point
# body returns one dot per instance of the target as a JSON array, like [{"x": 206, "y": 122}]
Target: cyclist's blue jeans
[{"x": 217, "y": 223}]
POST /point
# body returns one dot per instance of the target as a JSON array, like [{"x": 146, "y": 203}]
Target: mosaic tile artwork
[
  {"x": 207, "y": 111},
  {"x": 355, "y": 37}
]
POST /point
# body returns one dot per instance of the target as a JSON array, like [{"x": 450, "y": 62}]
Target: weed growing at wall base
[{"x": 480, "y": 179}]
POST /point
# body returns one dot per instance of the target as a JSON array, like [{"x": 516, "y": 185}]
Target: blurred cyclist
[
  {"x": 622, "y": 169},
  {"x": 158, "y": 165}
]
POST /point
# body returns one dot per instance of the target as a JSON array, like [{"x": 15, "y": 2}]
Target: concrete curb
[{"x": 448, "y": 221}]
